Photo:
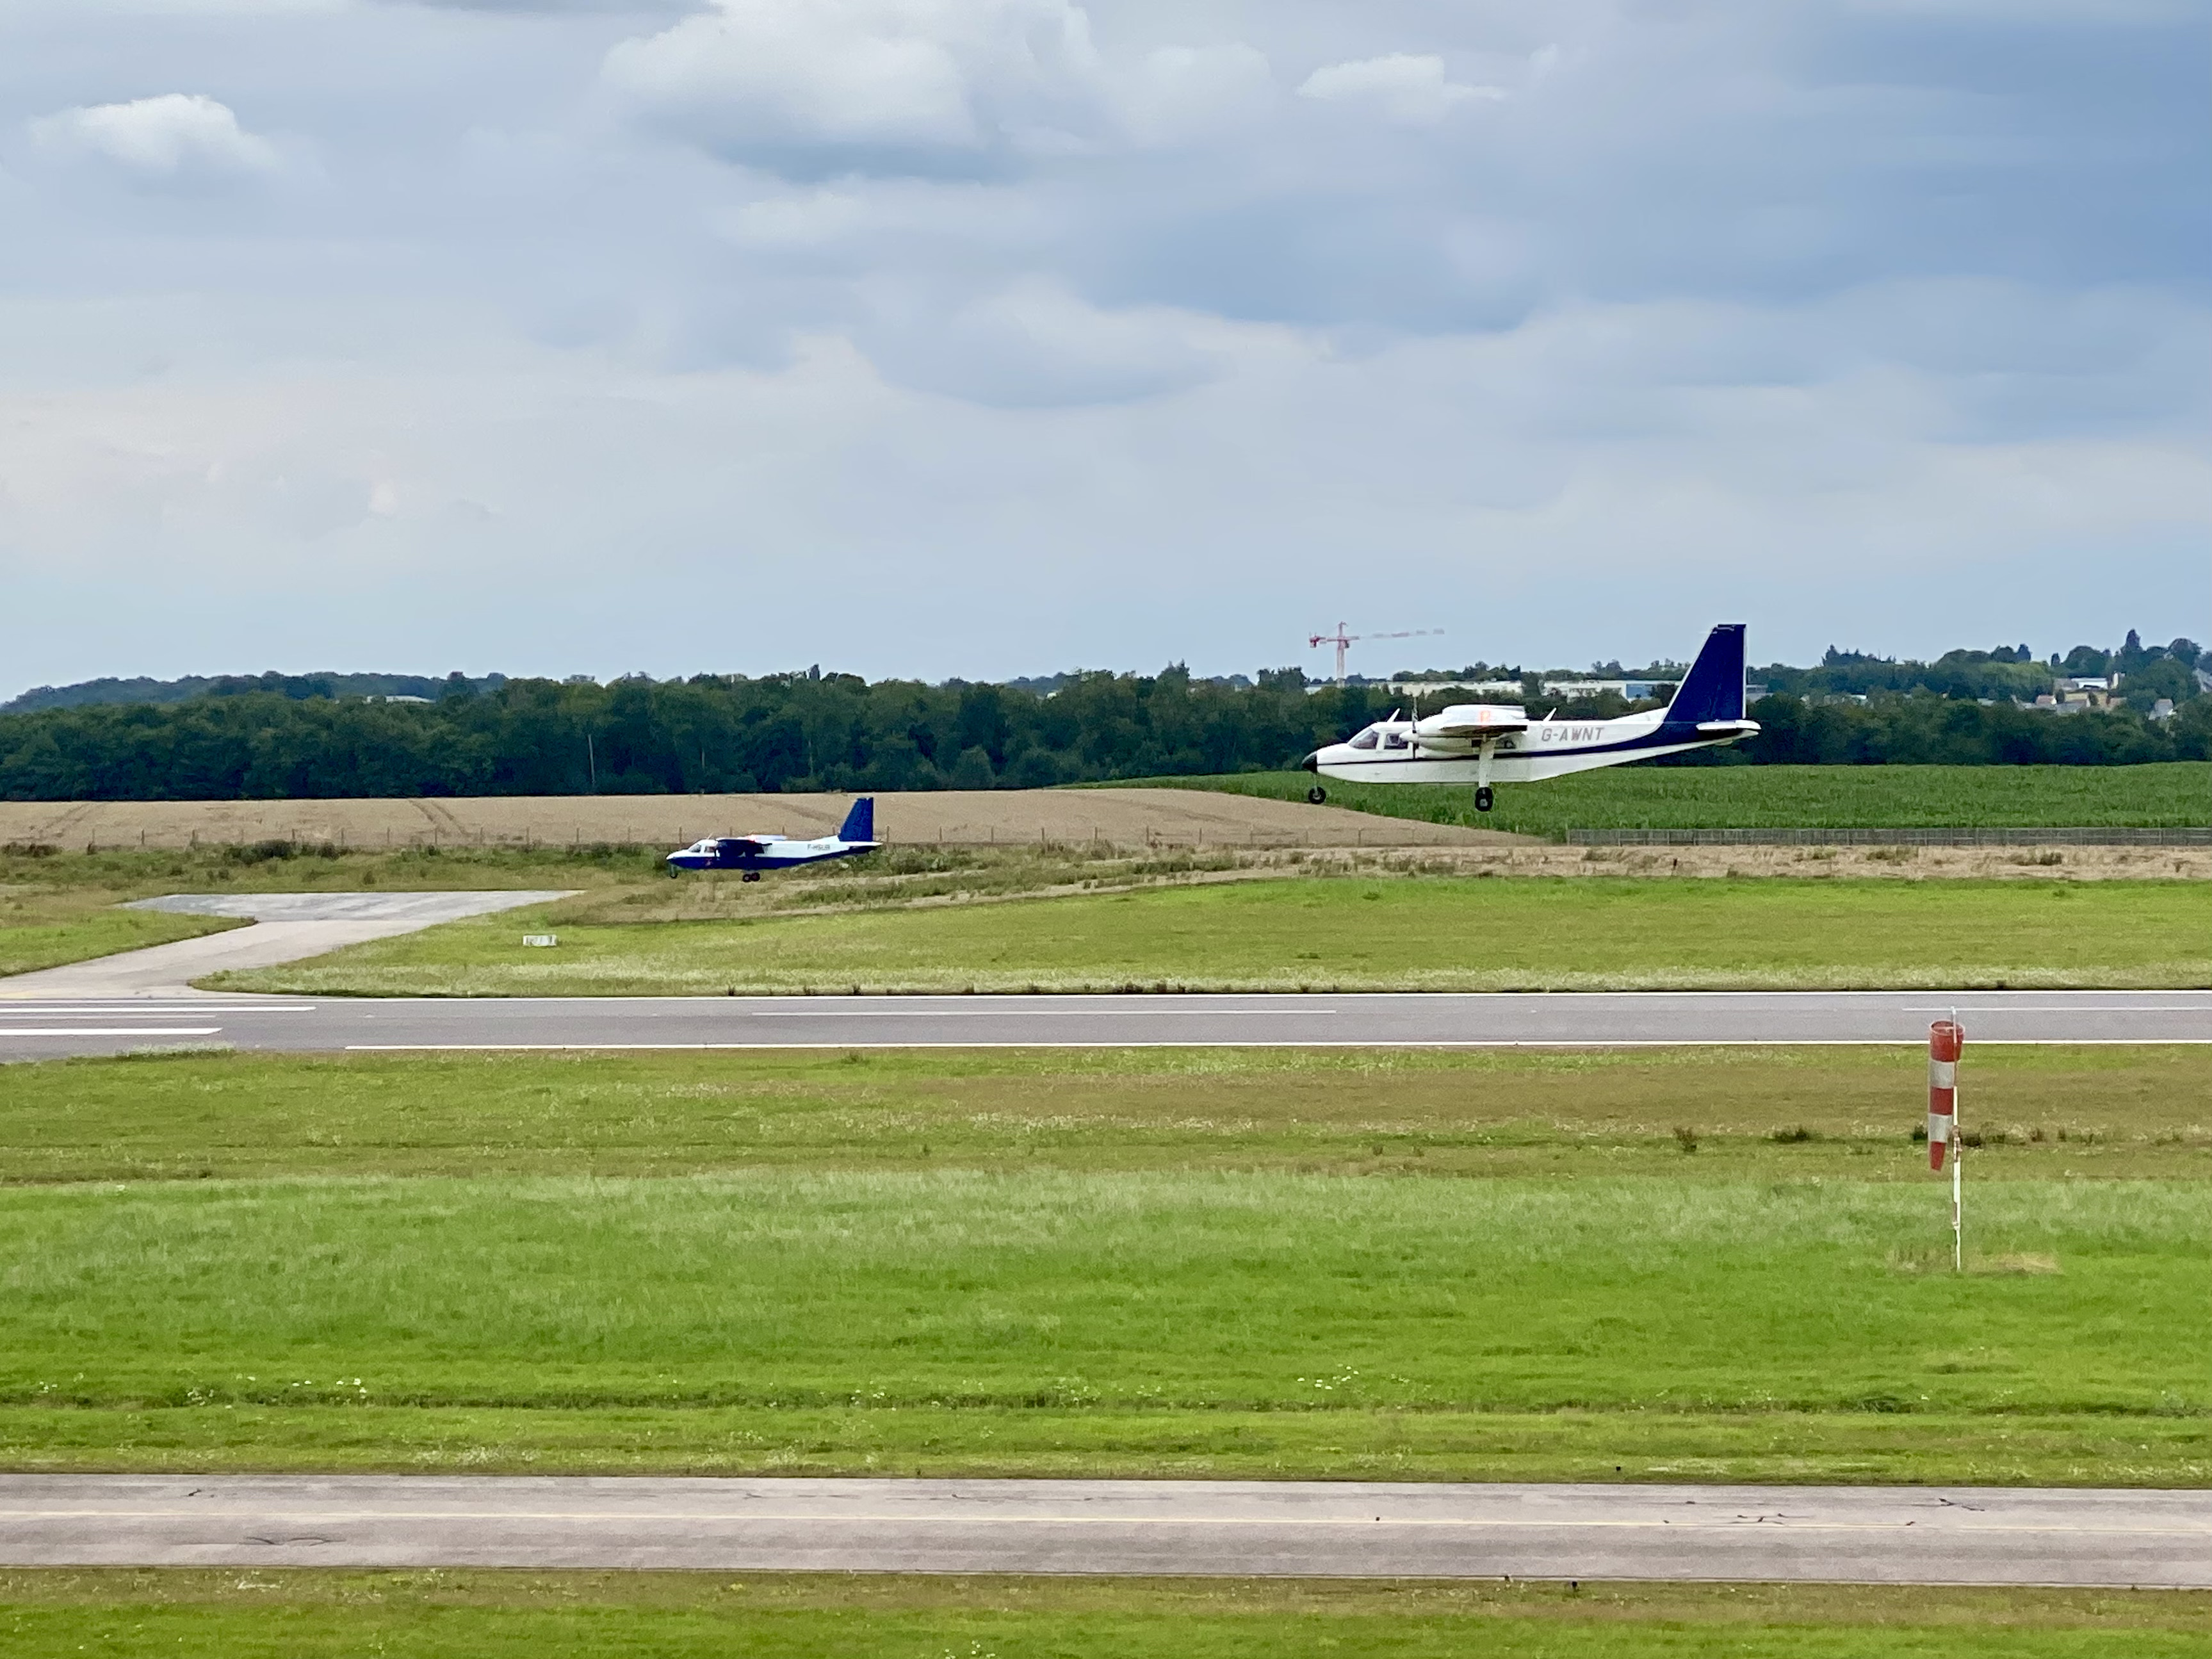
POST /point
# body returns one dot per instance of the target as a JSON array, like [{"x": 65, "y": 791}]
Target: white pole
[{"x": 1958, "y": 1151}]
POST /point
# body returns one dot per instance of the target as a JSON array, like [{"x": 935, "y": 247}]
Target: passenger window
[
  {"x": 1394, "y": 739},
  {"x": 1365, "y": 739}
]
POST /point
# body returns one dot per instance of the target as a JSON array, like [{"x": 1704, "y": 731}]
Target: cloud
[
  {"x": 1180, "y": 94},
  {"x": 814, "y": 87},
  {"x": 553, "y": 8},
  {"x": 182, "y": 136},
  {"x": 1403, "y": 87},
  {"x": 997, "y": 320},
  {"x": 1034, "y": 344}
]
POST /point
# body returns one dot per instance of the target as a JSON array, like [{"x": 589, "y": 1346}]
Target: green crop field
[
  {"x": 1426, "y": 1266},
  {"x": 2170, "y": 795},
  {"x": 309, "y": 1614},
  {"x": 1425, "y": 933}
]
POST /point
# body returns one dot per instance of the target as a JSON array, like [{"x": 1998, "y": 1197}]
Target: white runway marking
[
  {"x": 109, "y": 1030},
  {"x": 27, "y": 1009}
]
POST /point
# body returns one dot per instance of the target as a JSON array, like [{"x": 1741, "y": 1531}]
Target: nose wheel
[
  {"x": 1483, "y": 798},
  {"x": 1316, "y": 795}
]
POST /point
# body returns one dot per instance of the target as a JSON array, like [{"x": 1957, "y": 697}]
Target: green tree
[{"x": 972, "y": 771}]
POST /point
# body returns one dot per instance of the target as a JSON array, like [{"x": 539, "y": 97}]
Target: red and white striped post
[{"x": 1945, "y": 1040}]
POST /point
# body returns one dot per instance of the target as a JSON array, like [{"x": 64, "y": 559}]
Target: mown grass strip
[
  {"x": 302, "y": 1614},
  {"x": 1206, "y": 1293},
  {"x": 1357, "y": 933},
  {"x": 2172, "y": 794},
  {"x": 1827, "y": 1447},
  {"x": 1688, "y": 1115}
]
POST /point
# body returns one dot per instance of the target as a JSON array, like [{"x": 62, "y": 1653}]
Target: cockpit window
[
  {"x": 1365, "y": 739},
  {"x": 1394, "y": 739}
]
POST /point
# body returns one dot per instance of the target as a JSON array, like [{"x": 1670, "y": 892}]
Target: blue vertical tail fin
[
  {"x": 861, "y": 823},
  {"x": 1713, "y": 689}
]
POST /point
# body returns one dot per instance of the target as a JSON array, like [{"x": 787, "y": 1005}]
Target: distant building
[
  {"x": 2071, "y": 697},
  {"x": 2162, "y": 709},
  {"x": 1474, "y": 688},
  {"x": 1633, "y": 691}
]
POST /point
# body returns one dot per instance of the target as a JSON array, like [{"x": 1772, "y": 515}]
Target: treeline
[
  {"x": 1922, "y": 728},
  {"x": 89, "y": 693},
  {"x": 838, "y": 733},
  {"x": 787, "y": 732},
  {"x": 2147, "y": 672}
]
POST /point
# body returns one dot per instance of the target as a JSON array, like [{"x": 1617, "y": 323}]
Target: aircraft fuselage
[
  {"x": 765, "y": 853},
  {"x": 1541, "y": 749}
]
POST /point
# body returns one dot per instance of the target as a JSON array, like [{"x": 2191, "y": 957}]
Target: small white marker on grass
[{"x": 545, "y": 940}]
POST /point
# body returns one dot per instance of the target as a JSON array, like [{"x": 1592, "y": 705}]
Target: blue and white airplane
[
  {"x": 750, "y": 854},
  {"x": 1483, "y": 743}
]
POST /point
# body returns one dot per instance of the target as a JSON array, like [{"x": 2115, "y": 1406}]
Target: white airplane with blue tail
[
  {"x": 1488, "y": 744},
  {"x": 750, "y": 854}
]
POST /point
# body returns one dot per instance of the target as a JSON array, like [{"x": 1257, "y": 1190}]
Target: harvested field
[{"x": 1122, "y": 818}]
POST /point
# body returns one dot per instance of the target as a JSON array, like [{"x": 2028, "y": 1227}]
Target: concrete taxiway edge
[{"x": 1304, "y": 1529}]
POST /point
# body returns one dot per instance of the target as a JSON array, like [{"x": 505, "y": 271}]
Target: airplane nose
[{"x": 1311, "y": 763}]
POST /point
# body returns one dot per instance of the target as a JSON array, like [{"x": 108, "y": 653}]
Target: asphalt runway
[
  {"x": 1856, "y": 1535},
  {"x": 36, "y": 1028}
]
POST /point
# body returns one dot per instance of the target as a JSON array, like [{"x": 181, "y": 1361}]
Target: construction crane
[{"x": 1342, "y": 641}]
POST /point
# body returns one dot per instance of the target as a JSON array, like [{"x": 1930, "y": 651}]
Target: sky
[{"x": 991, "y": 337}]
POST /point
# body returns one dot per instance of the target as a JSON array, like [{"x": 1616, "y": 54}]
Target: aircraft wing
[{"x": 1470, "y": 722}]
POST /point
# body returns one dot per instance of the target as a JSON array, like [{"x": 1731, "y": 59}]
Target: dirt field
[{"x": 1126, "y": 817}]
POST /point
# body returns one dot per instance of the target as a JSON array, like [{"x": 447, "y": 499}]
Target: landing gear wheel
[
  {"x": 1316, "y": 795},
  {"x": 749, "y": 875},
  {"x": 1482, "y": 798}
]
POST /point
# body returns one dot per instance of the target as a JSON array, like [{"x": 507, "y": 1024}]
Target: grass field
[
  {"x": 1427, "y": 934},
  {"x": 2170, "y": 795},
  {"x": 58, "y": 908},
  {"x": 44, "y": 930},
  {"x": 1798, "y": 1113},
  {"x": 305, "y": 1614},
  {"x": 1149, "y": 1263}
]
